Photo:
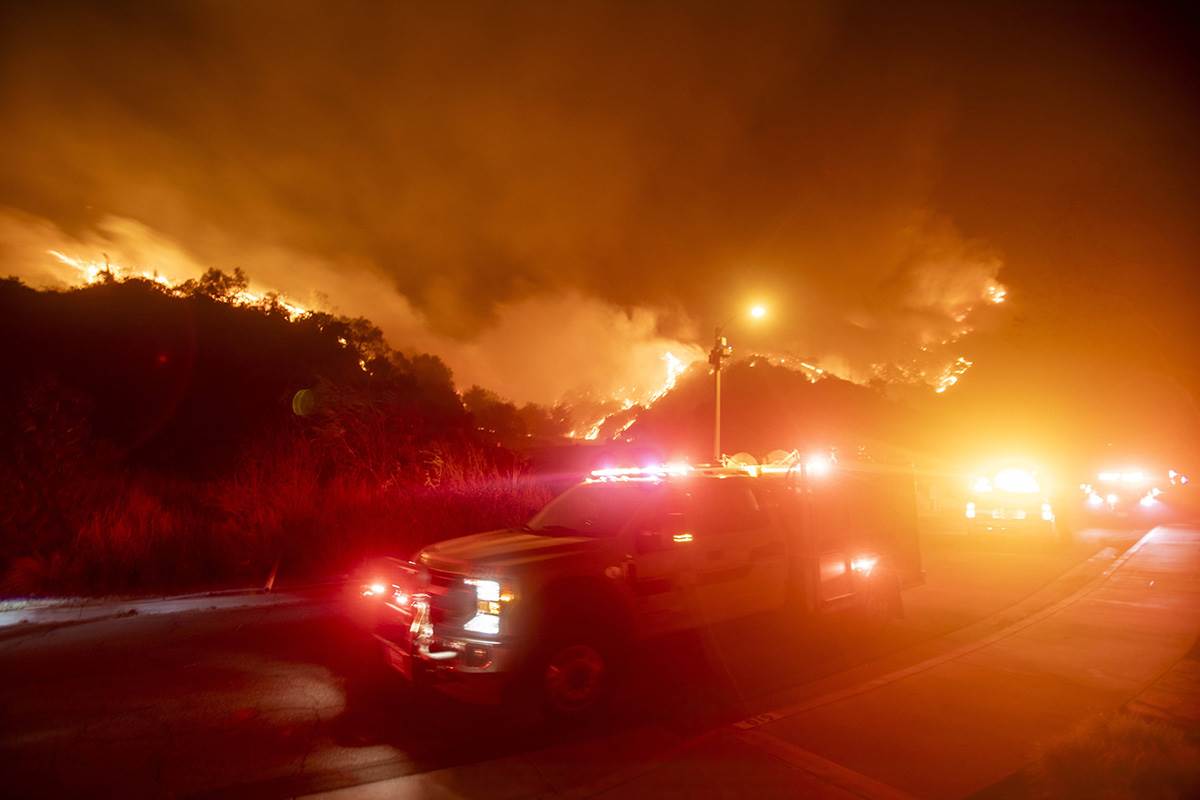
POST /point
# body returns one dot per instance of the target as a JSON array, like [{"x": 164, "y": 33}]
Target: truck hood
[{"x": 502, "y": 550}]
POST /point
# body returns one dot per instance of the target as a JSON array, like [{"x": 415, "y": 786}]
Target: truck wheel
[{"x": 574, "y": 678}]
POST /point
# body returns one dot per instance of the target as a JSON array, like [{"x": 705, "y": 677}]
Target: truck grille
[{"x": 451, "y": 602}]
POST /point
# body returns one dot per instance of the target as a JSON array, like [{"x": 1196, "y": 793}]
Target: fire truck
[
  {"x": 634, "y": 553},
  {"x": 1013, "y": 497}
]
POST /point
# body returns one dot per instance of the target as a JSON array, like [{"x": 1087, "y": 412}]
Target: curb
[{"x": 24, "y": 622}]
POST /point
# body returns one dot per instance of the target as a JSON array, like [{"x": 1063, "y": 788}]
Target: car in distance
[{"x": 1132, "y": 494}]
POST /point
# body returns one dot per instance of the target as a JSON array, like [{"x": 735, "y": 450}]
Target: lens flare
[{"x": 817, "y": 465}]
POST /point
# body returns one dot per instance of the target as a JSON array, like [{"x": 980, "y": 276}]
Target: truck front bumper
[{"x": 456, "y": 662}]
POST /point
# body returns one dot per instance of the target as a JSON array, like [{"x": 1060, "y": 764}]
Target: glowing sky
[{"x": 552, "y": 195}]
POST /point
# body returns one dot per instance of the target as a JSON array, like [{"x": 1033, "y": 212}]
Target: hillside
[
  {"x": 767, "y": 407},
  {"x": 157, "y": 439}
]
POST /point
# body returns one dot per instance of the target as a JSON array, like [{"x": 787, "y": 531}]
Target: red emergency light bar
[
  {"x": 816, "y": 465},
  {"x": 656, "y": 472}
]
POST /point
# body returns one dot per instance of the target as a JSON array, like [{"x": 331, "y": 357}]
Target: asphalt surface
[{"x": 282, "y": 700}]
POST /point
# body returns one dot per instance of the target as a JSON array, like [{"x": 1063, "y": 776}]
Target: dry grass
[
  {"x": 1119, "y": 757},
  {"x": 137, "y": 454},
  {"x": 149, "y": 534}
]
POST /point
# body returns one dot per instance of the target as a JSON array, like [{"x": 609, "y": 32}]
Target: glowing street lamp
[{"x": 720, "y": 352}]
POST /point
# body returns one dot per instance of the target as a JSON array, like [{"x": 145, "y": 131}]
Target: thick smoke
[
  {"x": 550, "y": 196},
  {"x": 545, "y": 348}
]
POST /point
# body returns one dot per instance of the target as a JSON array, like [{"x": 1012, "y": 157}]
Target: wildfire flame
[
  {"x": 996, "y": 294},
  {"x": 951, "y": 374},
  {"x": 675, "y": 367},
  {"x": 93, "y": 272}
]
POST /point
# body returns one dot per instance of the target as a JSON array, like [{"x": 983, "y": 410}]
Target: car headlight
[{"x": 490, "y": 601}]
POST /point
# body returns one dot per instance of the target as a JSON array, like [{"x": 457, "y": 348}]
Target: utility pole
[{"x": 721, "y": 350}]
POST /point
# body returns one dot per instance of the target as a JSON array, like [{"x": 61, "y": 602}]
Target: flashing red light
[
  {"x": 864, "y": 565},
  {"x": 654, "y": 472}
]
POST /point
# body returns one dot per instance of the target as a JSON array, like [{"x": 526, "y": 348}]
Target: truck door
[
  {"x": 660, "y": 565},
  {"x": 836, "y": 578},
  {"x": 831, "y": 528},
  {"x": 739, "y": 553}
]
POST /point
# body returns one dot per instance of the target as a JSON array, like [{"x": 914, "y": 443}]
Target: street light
[{"x": 720, "y": 352}]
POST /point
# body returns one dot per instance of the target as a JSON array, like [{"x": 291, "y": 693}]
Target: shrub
[
  {"x": 1119, "y": 757},
  {"x": 151, "y": 442},
  {"x": 149, "y": 533}
]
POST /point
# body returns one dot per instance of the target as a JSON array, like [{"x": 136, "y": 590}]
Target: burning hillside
[
  {"x": 585, "y": 414},
  {"x": 767, "y": 406}
]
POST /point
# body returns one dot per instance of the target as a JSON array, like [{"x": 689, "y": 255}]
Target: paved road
[
  {"x": 275, "y": 701},
  {"x": 967, "y": 718}
]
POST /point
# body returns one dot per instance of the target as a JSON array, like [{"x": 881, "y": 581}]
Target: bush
[
  {"x": 1119, "y": 757},
  {"x": 152, "y": 443},
  {"x": 151, "y": 534}
]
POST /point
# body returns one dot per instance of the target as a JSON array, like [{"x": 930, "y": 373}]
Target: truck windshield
[{"x": 593, "y": 509}]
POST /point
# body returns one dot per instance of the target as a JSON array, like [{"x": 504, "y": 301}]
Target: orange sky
[{"x": 464, "y": 172}]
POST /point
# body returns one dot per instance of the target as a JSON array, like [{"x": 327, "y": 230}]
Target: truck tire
[
  {"x": 574, "y": 677},
  {"x": 579, "y": 642}
]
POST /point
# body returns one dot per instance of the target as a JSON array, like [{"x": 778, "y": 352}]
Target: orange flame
[
  {"x": 951, "y": 374},
  {"x": 675, "y": 367},
  {"x": 93, "y": 272}
]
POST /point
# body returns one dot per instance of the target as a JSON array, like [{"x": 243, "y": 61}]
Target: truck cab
[{"x": 634, "y": 553}]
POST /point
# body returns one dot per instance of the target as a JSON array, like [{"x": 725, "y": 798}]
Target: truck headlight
[{"x": 490, "y": 600}]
